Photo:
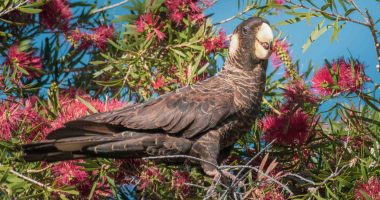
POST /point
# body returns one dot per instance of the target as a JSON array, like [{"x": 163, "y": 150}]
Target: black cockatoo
[{"x": 203, "y": 120}]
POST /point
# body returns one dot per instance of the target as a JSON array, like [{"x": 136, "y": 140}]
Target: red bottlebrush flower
[
  {"x": 185, "y": 8},
  {"x": 24, "y": 60},
  {"x": 179, "y": 181},
  {"x": 150, "y": 175},
  {"x": 371, "y": 189},
  {"x": 176, "y": 17},
  {"x": 289, "y": 129},
  {"x": 348, "y": 79},
  {"x": 20, "y": 117},
  {"x": 149, "y": 22},
  {"x": 158, "y": 83},
  {"x": 280, "y": 53},
  {"x": 274, "y": 194},
  {"x": 297, "y": 92},
  {"x": 280, "y": 2},
  {"x": 101, "y": 35},
  {"x": 67, "y": 173},
  {"x": 216, "y": 43},
  {"x": 56, "y": 13},
  {"x": 98, "y": 38}
]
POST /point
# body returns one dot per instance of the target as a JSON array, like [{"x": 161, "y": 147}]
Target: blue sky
[{"x": 355, "y": 40}]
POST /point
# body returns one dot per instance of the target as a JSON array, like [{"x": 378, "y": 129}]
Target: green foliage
[{"x": 341, "y": 151}]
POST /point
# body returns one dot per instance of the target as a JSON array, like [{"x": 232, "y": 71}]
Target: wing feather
[{"x": 185, "y": 113}]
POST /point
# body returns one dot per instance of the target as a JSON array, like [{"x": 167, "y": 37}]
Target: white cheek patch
[
  {"x": 264, "y": 34},
  {"x": 234, "y": 44}
]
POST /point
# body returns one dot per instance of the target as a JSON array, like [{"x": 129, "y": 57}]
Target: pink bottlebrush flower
[
  {"x": 297, "y": 92},
  {"x": 274, "y": 195},
  {"x": 126, "y": 168},
  {"x": 348, "y": 79},
  {"x": 280, "y": 53},
  {"x": 185, "y": 8},
  {"x": 67, "y": 173},
  {"x": 20, "y": 117},
  {"x": 144, "y": 21},
  {"x": 179, "y": 180},
  {"x": 101, "y": 36},
  {"x": 24, "y": 60},
  {"x": 176, "y": 17},
  {"x": 158, "y": 83},
  {"x": 216, "y": 43},
  {"x": 371, "y": 189},
  {"x": 148, "y": 176},
  {"x": 98, "y": 38},
  {"x": 160, "y": 35},
  {"x": 150, "y": 23},
  {"x": 289, "y": 129},
  {"x": 56, "y": 13},
  {"x": 280, "y": 2}
]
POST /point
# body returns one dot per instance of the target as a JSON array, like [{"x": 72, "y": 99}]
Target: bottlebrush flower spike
[
  {"x": 158, "y": 83},
  {"x": 281, "y": 54},
  {"x": 56, "y": 13},
  {"x": 289, "y": 128},
  {"x": 150, "y": 23},
  {"x": 24, "y": 60},
  {"x": 297, "y": 92},
  {"x": 67, "y": 173},
  {"x": 180, "y": 9},
  {"x": 98, "y": 38},
  {"x": 21, "y": 117},
  {"x": 348, "y": 79},
  {"x": 280, "y": 2},
  {"x": 371, "y": 189},
  {"x": 216, "y": 42},
  {"x": 179, "y": 181}
]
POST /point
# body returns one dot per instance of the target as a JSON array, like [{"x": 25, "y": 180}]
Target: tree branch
[
  {"x": 247, "y": 9},
  {"x": 374, "y": 36},
  {"x": 6, "y": 11},
  {"x": 109, "y": 7},
  {"x": 338, "y": 17}
]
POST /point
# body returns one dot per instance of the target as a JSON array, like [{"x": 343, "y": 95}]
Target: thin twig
[
  {"x": 184, "y": 156},
  {"x": 338, "y": 17},
  {"x": 374, "y": 36},
  {"x": 300, "y": 177},
  {"x": 29, "y": 179},
  {"x": 262, "y": 173},
  {"x": 359, "y": 10},
  {"x": 109, "y": 7},
  {"x": 247, "y": 9},
  {"x": 13, "y": 8},
  {"x": 237, "y": 180}
]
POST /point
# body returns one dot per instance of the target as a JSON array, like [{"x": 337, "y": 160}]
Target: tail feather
[
  {"x": 70, "y": 143},
  {"x": 86, "y": 144}
]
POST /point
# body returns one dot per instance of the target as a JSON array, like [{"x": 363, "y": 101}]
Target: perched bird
[{"x": 203, "y": 120}]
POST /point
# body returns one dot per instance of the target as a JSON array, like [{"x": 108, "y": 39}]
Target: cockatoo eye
[{"x": 244, "y": 30}]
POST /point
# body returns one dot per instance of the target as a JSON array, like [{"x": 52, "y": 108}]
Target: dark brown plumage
[{"x": 202, "y": 120}]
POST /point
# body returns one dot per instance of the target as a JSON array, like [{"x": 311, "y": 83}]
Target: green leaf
[
  {"x": 315, "y": 34},
  {"x": 87, "y": 104},
  {"x": 349, "y": 11},
  {"x": 29, "y": 10}
]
